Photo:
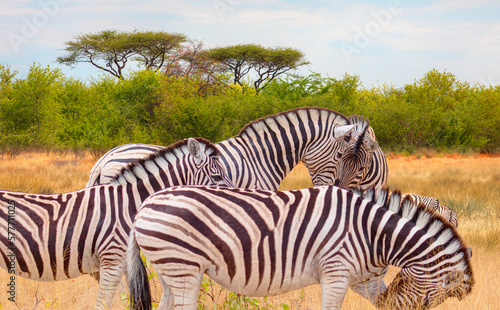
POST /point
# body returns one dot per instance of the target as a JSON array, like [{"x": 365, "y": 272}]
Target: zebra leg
[
  {"x": 167, "y": 300},
  {"x": 370, "y": 289},
  {"x": 111, "y": 273},
  {"x": 334, "y": 285},
  {"x": 181, "y": 286}
]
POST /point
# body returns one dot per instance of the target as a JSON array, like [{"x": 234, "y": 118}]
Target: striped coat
[
  {"x": 266, "y": 150},
  {"x": 260, "y": 243},
  {"x": 63, "y": 236}
]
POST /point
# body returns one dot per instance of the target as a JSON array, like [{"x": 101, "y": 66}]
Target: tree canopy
[
  {"x": 175, "y": 54},
  {"x": 110, "y": 50},
  {"x": 268, "y": 63}
]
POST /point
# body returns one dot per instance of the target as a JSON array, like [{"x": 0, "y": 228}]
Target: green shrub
[{"x": 47, "y": 110}]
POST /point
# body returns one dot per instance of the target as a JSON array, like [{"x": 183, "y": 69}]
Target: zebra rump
[{"x": 259, "y": 243}]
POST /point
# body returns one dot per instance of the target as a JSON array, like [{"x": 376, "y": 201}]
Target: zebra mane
[
  {"x": 256, "y": 124},
  {"x": 163, "y": 157},
  {"x": 358, "y": 120},
  {"x": 429, "y": 220},
  {"x": 362, "y": 125}
]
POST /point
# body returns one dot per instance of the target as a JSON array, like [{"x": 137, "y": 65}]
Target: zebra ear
[
  {"x": 340, "y": 131},
  {"x": 469, "y": 252},
  {"x": 372, "y": 146},
  {"x": 194, "y": 148}
]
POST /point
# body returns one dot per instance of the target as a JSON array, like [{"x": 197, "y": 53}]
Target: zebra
[
  {"x": 356, "y": 160},
  {"x": 63, "y": 236},
  {"x": 433, "y": 203},
  {"x": 260, "y": 243},
  {"x": 266, "y": 150},
  {"x": 377, "y": 171},
  {"x": 112, "y": 163}
]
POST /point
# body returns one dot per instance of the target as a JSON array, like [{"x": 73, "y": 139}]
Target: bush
[
  {"x": 30, "y": 109},
  {"x": 47, "y": 110}
]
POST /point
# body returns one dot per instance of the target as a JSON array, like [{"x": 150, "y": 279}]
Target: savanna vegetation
[
  {"x": 468, "y": 184},
  {"x": 50, "y": 111},
  {"x": 183, "y": 90}
]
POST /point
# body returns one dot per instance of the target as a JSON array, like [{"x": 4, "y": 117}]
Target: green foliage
[
  {"x": 266, "y": 62},
  {"x": 209, "y": 296},
  {"x": 295, "y": 88},
  {"x": 49, "y": 111},
  {"x": 6, "y": 78},
  {"x": 110, "y": 50},
  {"x": 31, "y": 111},
  {"x": 236, "y": 301}
]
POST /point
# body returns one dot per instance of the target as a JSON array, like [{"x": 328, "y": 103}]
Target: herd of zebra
[{"x": 196, "y": 208}]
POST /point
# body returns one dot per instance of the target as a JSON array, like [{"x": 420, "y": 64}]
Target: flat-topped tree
[
  {"x": 110, "y": 50},
  {"x": 274, "y": 62},
  {"x": 268, "y": 63}
]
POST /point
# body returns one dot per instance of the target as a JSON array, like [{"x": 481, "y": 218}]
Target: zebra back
[
  {"x": 433, "y": 203},
  {"x": 449, "y": 214},
  {"x": 266, "y": 150}
]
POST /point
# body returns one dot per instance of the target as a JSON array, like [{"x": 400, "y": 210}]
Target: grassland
[{"x": 470, "y": 185}]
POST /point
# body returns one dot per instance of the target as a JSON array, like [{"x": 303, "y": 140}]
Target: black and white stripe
[
  {"x": 63, "y": 236},
  {"x": 433, "y": 203},
  {"x": 357, "y": 165},
  {"x": 259, "y": 243},
  {"x": 266, "y": 150},
  {"x": 375, "y": 174},
  {"x": 112, "y": 163}
]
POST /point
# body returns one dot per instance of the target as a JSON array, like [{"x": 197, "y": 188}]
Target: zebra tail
[{"x": 137, "y": 276}]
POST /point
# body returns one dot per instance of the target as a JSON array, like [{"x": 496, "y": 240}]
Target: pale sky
[{"x": 394, "y": 42}]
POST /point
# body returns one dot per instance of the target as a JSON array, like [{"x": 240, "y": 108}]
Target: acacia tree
[
  {"x": 193, "y": 62},
  {"x": 274, "y": 62},
  {"x": 268, "y": 63},
  {"x": 153, "y": 48},
  {"x": 110, "y": 50}
]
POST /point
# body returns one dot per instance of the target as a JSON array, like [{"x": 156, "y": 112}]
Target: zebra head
[
  {"x": 206, "y": 159},
  {"x": 320, "y": 158},
  {"x": 416, "y": 289},
  {"x": 428, "y": 278},
  {"x": 355, "y": 155}
]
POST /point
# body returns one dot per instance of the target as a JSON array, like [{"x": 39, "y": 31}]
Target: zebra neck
[
  {"x": 259, "y": 160},
  {"x": 401, "y": 243},
  {"x": 157, "y": 173}
]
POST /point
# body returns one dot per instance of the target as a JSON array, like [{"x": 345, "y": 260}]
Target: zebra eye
[
  {"x": 217, "y": 177},
  {"x": 339, "y": 155}
]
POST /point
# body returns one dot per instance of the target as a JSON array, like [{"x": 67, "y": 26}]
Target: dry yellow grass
[
  {"x": 43, "y": 173},
  {"x": 470, "y": 185}
]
